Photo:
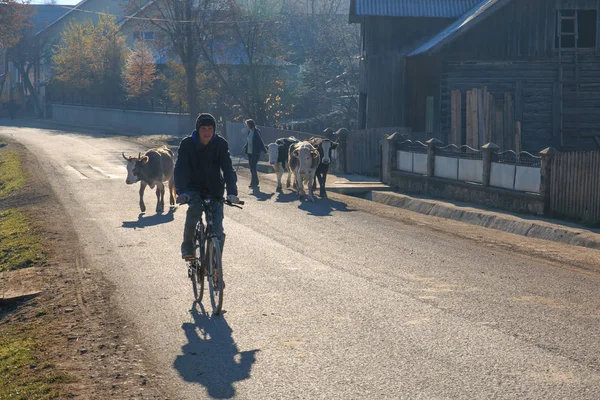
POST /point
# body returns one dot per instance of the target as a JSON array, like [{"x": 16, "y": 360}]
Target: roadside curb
[
  {"x": 528, "y": 226},
  {"x": 489, "y": 219}
]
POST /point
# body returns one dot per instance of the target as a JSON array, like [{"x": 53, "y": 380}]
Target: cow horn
[{"x": 125, "y": 157}]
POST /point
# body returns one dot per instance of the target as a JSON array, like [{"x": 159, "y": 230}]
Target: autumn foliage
[
  {"x": 91, "y": 56},
  {"x": 14, "y": 15},
  {"x": 139, "y": 72}
]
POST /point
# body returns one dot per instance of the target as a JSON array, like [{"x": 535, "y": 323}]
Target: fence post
[
  {"x": 488, "y": 150},
  {"x": 546, "y": 176},
  {"x": 343, "y": 151},
  {"x": 388, "y": 156},
  {"x": 431, "y": 145}
]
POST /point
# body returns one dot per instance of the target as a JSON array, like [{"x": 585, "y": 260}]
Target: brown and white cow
[
  {"x": 325, "y": 147},
  {"x": 278, "y": 156},
  {"x": 152, "y": 169},
  {"x": 303, "y": 160}
]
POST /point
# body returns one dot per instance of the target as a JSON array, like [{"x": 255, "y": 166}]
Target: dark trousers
[
  {"x": 253, "y": 161},
  {"x": 194, "y": 213}
]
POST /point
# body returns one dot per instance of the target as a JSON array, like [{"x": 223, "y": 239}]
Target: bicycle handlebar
[{"x": 195, "y": 199}]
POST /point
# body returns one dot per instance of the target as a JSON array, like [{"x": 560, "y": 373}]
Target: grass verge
[
  {"x": 12, "y": 176},
  {"x": 23, "y": 374},
  {"x": 20, "y": 247}
]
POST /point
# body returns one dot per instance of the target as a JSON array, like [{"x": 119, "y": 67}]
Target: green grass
[
  {"x": 12, "y": 176},
  {"x": 20, "y": 247},
  {"x": 23, "y": 375}
]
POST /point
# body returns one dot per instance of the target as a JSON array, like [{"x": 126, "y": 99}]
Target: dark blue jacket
[{"x": 205, "y": 169}]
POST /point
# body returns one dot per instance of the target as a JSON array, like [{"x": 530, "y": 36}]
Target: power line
[{"x": 158, "y": 19}]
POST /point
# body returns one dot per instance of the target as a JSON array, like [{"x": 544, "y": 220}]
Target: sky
[{"x": 63, "y": 2}]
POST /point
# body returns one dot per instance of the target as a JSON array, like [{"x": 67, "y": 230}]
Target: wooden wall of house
[
  {"x": 514, "y": 51},
  {"x": 383, "y": 74}
]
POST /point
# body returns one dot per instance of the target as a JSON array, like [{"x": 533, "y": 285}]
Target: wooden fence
[
  {"x": 363, "y": 150},
  {"x": 575, "y": 186}
]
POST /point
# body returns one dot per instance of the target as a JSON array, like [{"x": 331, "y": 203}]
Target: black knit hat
[{"x": 206, "y": 119}]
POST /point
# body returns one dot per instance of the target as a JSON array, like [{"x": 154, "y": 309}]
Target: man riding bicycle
[{"x": 204, "y": 168}]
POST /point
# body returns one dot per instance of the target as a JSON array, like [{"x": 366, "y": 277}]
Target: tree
[
  {"x": 176, "y": 86},
  {"x": 139, "y": 72},
  {"x": 328, "y": 48},
  {"x": 247, "y": 57},
  {"x": 91, "y": 57},
  {"x": 182, "y": 26},
  {"x": 14, "y": 16}
]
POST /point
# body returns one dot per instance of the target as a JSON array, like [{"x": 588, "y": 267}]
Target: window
[
  {"x": 143, "y": 35},
  {"x": 575, "y": 25}
]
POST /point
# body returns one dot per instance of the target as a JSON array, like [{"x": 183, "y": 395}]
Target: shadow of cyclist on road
[{"x": 211, "y": 357}]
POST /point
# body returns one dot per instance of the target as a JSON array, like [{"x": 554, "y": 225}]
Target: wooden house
[{"x": 524, "y": 74}]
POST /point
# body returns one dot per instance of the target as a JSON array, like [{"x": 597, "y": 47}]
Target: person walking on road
[{"x": 253, "y": 148}]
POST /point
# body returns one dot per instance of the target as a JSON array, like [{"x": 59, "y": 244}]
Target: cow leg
[
  {"x": 322, "y": 179},
  {"x": 142, "y": 188},
  {"x": 172, "y": 192},
  {"x": 279, "y": 171},
  {"x": 160, "y": 197},
  {"x": 299, "y": 185},
  {"x": 289, "y": 178},
  {"x": 311, "y": 183}
]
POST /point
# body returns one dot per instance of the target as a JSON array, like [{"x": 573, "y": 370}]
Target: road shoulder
[{"x": 81, "y": 347}]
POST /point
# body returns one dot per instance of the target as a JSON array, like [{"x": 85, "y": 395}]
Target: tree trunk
[{"x": 34, "y": 95}]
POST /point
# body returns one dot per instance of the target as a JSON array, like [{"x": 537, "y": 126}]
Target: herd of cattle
[{"x": 307, "y": 161}]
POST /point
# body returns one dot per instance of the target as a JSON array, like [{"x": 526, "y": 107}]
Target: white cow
[
  {"x": 278, "y": 156},
  {"x": 303, "y": 160}
]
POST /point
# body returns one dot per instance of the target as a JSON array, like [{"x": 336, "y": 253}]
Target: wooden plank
[
  {"x": 492, "y": 120},
  {"x": 595, "y": 186},
  {"x": 517, "y": 136},
  {"x": 555, "y": 183},
  {"x": 509, "y": 122},
  {"x": 475, "y": 121},
  {"x": 456, "y": 117},
  {"x": 469, "y": 128},
  {"x": 498, "y": 137}
]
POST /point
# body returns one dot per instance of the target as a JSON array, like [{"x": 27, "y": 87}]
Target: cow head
[
  {"x": 134, "y": 167},
  {"x": 273, "y": 152},
  {"x": 305, "y": 154},
  {"x": 327, "y": 146}
]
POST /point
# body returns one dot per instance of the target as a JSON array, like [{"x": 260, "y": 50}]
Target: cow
[
  {"x": 152, "y": 169},
  {"x": 303, "y": 160},
  {"x": 324, "y": 147},
  {"x": 278, "y": 156}
]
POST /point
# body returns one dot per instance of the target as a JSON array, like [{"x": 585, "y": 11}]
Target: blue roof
[
  {"x": 414, "y": 8},
  {"x": 460, "y": 26}
]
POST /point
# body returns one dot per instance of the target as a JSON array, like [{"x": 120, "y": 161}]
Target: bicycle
[{"x": 207, "y": 256}]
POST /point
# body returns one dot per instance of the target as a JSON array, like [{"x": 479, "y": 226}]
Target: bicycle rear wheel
[{"x": 215, "y": 275}]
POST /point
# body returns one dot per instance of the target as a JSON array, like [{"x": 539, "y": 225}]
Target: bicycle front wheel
[{"x": 215, "y": 275}]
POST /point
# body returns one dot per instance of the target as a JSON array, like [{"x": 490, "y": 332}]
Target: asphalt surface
[{"x": 325, "y": 301}]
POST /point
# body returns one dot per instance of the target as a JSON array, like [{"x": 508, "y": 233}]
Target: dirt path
[{"x": 81, "y": 337}]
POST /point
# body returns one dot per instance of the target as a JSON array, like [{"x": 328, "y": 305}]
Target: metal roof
[
  {"x": 414, "y": 8},
  {"x": 460, "y": 26},
  {"x": 46, "y": 14}
]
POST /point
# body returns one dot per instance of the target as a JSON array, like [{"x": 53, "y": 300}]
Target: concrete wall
[
  {"x": 124, "y": 121},
  {"x": 468, "y": 192}
]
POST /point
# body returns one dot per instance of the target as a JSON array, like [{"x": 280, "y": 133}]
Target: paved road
[{"x": 326, "y": 301}]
